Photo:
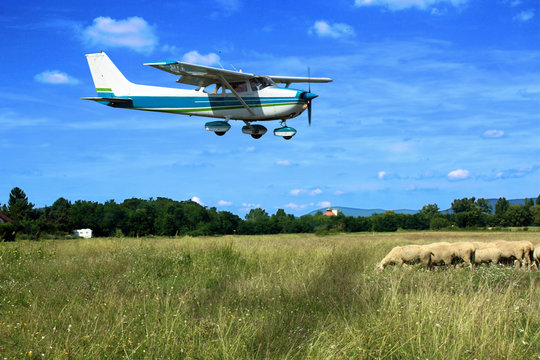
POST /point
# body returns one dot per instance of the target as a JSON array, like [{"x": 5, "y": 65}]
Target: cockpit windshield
[{"x": 260, "y": 82}]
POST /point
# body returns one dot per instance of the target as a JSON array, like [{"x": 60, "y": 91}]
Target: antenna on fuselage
[{"x": 219, "y": 62}]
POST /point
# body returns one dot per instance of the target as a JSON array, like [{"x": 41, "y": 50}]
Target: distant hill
[{"x": 349, "y": 211}]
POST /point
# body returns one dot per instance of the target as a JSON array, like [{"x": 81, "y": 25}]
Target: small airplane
[{"x": 225, "y": 94}]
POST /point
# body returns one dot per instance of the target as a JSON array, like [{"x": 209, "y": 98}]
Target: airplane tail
[{"x": 109, "y": 81}]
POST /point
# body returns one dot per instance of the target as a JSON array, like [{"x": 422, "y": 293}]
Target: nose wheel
[{"x": 285, "y": 131}]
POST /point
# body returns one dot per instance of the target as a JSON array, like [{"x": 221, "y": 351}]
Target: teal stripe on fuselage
[{"x": 200, "y": 103}]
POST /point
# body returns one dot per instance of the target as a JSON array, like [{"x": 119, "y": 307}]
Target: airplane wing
[
  {"x": 200, "y": 75},
  {"x": 297, "y": 79}
]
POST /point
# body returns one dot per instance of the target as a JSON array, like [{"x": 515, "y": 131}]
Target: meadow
[{"x": 261, "y": 297}]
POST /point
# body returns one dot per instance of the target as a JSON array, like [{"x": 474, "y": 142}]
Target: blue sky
[{"x": 432, "y": 100}]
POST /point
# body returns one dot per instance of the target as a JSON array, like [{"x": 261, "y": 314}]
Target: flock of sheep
[{"x": 518, "y": 253}]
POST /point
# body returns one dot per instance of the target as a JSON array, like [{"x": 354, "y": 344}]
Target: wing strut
[{"x": 226, "y": 83}]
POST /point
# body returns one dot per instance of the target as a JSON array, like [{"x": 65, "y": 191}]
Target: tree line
[{"x": 167, "y": 217}]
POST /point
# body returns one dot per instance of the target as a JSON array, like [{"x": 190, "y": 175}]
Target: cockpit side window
[
  {"x": 239, "y": 86},
  {"x": 259, "y": 83}
]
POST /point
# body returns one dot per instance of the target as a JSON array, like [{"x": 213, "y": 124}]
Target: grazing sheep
[
  {"x": 408, "y": 254},
  {"x": 447, "y": 253},
  {"x": 464, "y": 251},
  {"x": 442, "y": 253},
  {"x": 519, "y": 251},
  {"x": 536, "y": 256},
  {"x": 487, "y": 253}
]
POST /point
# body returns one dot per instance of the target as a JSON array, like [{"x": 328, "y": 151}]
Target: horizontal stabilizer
[{"x": 113, "y": 102}]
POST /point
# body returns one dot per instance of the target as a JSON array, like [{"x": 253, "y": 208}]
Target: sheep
[
  {"x": 536, "y": 256},
  {"x": 408, "y": 254},
  {"x": 519, "y": 251},
  {"x": 487, "y": 253},
  {"x": 442, "y": 253},
  {"x": 464, "y": 251},
  {"x": 447, "y": 253}
]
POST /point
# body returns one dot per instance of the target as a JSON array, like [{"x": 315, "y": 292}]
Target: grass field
[{"x": 255, "y": 297}]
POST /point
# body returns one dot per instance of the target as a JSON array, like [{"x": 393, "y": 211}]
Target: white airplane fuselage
[{"x": 270, "y": 103}]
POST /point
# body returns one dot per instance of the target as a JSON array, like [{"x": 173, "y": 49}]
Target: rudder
[{"x": 109, "y": 81}]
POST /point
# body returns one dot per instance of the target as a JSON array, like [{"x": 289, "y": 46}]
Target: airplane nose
[{"x": 308, "y": 95}]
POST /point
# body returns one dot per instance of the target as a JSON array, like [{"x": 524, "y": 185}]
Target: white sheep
[
  {"x": 536, "y": 256},
  {"x": 409, "y": 254},
  {"x": 448, "y": 253},
  {"x": 519, "y": 251},
  {"x": 487, "y": 253}
]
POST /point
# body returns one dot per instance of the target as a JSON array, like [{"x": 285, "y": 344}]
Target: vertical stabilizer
[{"x": 109, "y": 81}]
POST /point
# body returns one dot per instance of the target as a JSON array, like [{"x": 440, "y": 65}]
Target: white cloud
[
  {"x": 224, "y": 203},
  {"x": 55, "y": 77},
  {"x": 324, "y": 204},
  {"x": 197, "y": 200},
  {"x": 134, "y": 33},
  {"x": 336, "y": 30},
  {"x": 294, "y": 206},
  {"x": 459, "y": 174},
  {"x": 283, "y": 162},
  {"x": 195, "y": 58},
  {"x": 524, "y": 16},
  {"x": 249, "y": 206},
  {"x": 493, "y": 133},
  {"x": 296, "y": 192},
  {"x": 339, "y": 192},
  {"x": 405, "y": 4},
  {"x": 382, "y": 174}
]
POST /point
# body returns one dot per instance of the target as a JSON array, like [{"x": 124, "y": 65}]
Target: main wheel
[
  {"x": 220, "y": 133},
  {"x": 256, "y": 136},
  {"x": 287, "y": 137}
]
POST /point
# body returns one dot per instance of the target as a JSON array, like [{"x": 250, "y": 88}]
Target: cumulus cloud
[
  {"x": 224, "y": 203},
  {"x": 405, "y": 4},
  {"x": 197, "y": 200},
  {"x": 382, "y": 174},
  {"x": 336, "y": 30},
  {"x": 134, "y": 33},
  {"x": 493, "y": 133},
  {"x": 55, "y": 77},
  {"x": 524, "y": 16},
  {"x": 195, "y": 57},
  {"x": 459, "y": 174},
  {"x": 283, "y": 162}
]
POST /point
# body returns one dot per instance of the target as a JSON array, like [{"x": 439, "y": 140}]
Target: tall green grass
[{"x": 260, "y": 297}]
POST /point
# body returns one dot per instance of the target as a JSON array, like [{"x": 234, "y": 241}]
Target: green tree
[
  {"x": 462, "y": 205},
  {"x": 58, "y": 215},
  {"x": 19, "y": 208},
  {"x": 517, "y": 215},
  {"x": 501, "y": 206},
  {"x": 386, "y": 222},
  {"x": 430, "y": 210}
]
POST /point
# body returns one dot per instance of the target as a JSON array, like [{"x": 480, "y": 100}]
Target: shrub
[{"x": 7, "y": 232}]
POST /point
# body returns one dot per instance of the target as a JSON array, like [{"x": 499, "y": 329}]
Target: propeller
[
  {"x": 308, "y": 96},
  {"x": 309, "y": 103}
]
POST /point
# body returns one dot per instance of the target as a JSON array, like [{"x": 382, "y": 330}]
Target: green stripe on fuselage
[
  {"x": 217, "y": 108},
  {"x": 104, "y": 89}
]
